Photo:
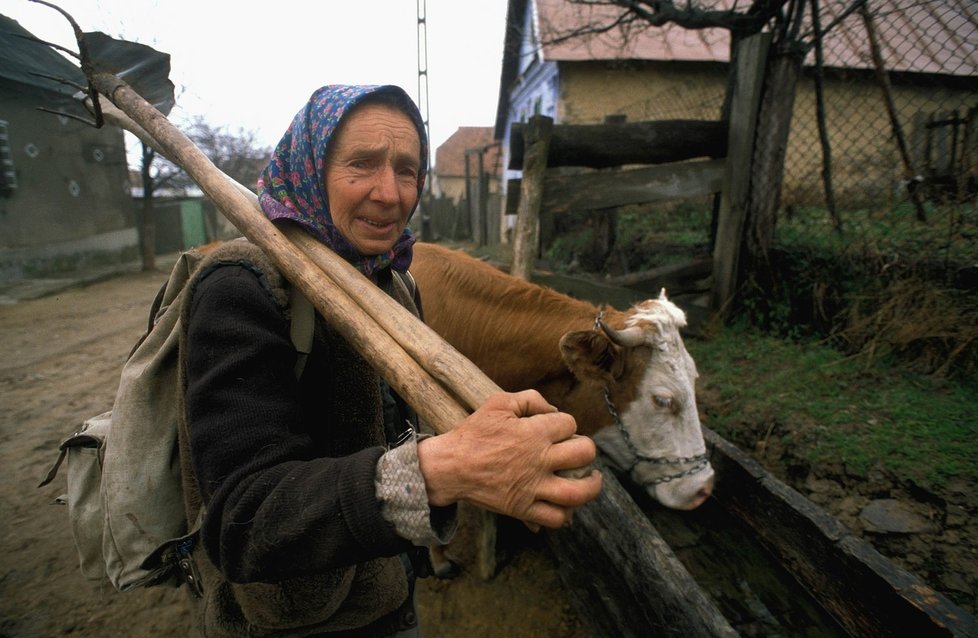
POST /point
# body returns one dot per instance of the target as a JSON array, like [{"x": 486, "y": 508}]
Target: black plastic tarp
[{"x": 30, "y": 63}]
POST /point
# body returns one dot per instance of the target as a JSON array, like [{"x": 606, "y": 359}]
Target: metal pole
[{"x": 423, "y": 74}]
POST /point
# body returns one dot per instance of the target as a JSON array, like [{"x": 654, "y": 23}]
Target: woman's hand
[{"x": 504, "y": 456}]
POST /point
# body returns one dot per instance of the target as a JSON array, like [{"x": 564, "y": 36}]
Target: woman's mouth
[{"x": 380, "y": 226}]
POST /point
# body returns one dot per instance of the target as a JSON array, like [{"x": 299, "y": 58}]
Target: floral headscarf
[{"x": 292, "y": 186}]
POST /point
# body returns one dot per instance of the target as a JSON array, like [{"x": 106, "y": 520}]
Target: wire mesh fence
[
  {"x": 876, "y": 243},
  {"x": 900, "y": 118}
]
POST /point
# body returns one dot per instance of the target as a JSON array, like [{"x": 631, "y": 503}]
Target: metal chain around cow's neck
[
  {"x": 597, "y": 320},
  {"x": 699, "y": 460}
]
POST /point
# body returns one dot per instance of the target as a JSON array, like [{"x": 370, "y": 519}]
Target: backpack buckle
[{"x": 188, "y": 567}]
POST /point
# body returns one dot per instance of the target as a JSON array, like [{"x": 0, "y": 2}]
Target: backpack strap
[
  {"x": 406, "y": 291},
  {"x": 304, "y": 317},
  {"x": 406, "y": 279}
]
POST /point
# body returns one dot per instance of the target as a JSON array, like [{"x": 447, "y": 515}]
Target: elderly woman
[{"x": 316, "y": 494}]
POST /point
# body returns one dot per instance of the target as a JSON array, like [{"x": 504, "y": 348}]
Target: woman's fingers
[
  {"x": 572, "y": 453},
  {"x": 526, "y": 403},
  {"x": 572, "y": 493},
  {"x": 569, "y": 492}
]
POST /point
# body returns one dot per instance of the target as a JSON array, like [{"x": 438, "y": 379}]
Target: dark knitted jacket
[{"x": 293, "y": 541}]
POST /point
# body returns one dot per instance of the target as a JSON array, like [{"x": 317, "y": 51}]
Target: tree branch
[{"x": 659, "y": 13}]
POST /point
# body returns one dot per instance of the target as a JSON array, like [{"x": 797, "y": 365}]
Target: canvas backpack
[{"x": 125, "y": 494}]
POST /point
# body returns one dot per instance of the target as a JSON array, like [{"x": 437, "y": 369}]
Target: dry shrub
[{"x": 933, "y": 329}]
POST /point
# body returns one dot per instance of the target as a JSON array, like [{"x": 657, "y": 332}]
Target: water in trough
[{"x": 750, "y": 587}]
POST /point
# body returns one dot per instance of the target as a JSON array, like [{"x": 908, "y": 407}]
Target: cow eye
[{"x": 662, "y": 401}]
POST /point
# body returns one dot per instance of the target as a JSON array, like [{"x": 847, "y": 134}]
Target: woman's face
[{"x": 372, "y": 176}]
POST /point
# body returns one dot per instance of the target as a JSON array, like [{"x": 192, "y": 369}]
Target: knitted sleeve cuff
[{"x": 403, "y": 498}]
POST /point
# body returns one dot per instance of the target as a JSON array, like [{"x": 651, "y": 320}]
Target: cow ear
[{"x": 591, "y": 356}]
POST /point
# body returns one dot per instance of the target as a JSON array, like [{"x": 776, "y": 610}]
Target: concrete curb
[{"x": 27, "y": 289}]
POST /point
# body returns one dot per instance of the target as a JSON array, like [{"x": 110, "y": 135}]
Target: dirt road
[{"x": 61, "y": 360}]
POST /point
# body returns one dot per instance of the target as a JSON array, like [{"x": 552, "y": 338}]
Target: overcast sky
[{"x": 252, "y": 65}]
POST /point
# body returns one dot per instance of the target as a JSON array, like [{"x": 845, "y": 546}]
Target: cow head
[{"x": 648, "y": 381}]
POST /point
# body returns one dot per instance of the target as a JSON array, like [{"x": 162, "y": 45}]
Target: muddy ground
[{"x": 61, "y": 357}]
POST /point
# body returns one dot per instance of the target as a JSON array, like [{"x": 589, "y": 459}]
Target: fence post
[
  {"x": 751, "y": 61},
  {"x": 536, "y": 143}
]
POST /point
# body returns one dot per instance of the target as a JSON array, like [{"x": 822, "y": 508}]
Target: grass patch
[
  {"x": 887, "y": 287},
  {"x": 829, "y": 408},
  {"x": 949, "y": 235},
  {"x": 652, "y": 236}
]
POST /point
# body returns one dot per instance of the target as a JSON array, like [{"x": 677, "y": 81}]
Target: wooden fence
[{"x": 659, "y": 161}]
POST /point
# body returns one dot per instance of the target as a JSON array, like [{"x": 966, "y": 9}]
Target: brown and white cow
[{"x": 626, "y": 377}]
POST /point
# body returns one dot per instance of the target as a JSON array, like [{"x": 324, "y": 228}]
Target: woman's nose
[{"x": 385, "y": 188}]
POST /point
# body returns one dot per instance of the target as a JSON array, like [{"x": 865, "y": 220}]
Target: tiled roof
[
  {"x": 651, "y": 43},
  {"x": 919, "y": 36},
  {"x": 924, "y": 36},
  {"x": 450, "y": 156}
]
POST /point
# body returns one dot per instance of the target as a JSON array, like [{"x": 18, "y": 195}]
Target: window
[{"x": 8, "y": 176}]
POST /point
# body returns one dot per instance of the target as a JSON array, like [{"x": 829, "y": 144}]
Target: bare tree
[
  {"x": 147, "y": 221},
  {"x": 734, "y": 16},
  {"x": 237, "y": 153}
]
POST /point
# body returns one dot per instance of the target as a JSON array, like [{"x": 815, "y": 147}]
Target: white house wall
[{"x": 536, "y": 90}]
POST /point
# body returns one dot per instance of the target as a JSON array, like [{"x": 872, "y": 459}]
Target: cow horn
[{"x": 627, "y": 338}]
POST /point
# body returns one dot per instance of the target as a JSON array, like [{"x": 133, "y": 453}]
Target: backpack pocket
[{"x": 83, "y": 453}]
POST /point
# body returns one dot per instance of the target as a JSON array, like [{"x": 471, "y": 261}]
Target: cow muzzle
[{"x": 686, "y": 493}]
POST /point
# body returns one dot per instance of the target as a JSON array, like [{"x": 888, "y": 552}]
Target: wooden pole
[
  {"x": 751, "y": 59},
  {"x": 916, "y": 194},
  {"x": 439, "y": 406},
  {"x": 767, "y": 156},
  {"x": 598, "y": 190},
  {"x": 526, "y": 239},
  {"x": 823, "y": 132},
  {"x": 613, "y": 144},
  {"x": 147, "y": 222}
]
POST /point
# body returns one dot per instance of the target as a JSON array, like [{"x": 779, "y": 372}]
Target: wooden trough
[{"x": 629, "y": 582}]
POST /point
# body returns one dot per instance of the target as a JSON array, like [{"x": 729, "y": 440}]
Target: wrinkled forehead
[{"x": 330, "y": 106}]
